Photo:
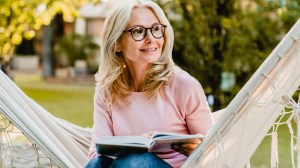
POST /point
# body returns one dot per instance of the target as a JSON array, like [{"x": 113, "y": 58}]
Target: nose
[{"x": 149, "y": 37}]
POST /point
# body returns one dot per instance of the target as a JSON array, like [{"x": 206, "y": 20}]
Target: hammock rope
[{"x": 18, "y": 151}]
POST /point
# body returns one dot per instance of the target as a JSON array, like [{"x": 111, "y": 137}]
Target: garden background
[{"x": 221, "y": 43}]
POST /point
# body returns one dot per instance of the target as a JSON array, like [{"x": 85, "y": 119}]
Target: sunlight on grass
[{"x": 71, "y": 102}]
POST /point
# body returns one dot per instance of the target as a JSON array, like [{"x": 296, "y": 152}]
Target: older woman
[{"x": 140, "y": 90}]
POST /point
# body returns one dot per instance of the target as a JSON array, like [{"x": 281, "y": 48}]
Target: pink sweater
[{"x": 181, "y": 107}]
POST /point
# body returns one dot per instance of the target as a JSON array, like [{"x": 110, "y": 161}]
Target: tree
[
  {"x": 20, "y": 19},
  {"x": 213, "y": 37}
]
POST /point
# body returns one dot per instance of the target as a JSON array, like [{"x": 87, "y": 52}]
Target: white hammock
[
  {"x": 64, "y": 142},
  {"x": 249, "y": 116},
  {"x": 230, "y": 143}
]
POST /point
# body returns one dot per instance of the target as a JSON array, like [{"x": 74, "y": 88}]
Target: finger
[
  {"x": 190, "y": 146},
  {"x": 179, "y": 148},
  {"x": 145, "y": 135},
  {"x": 183, "y": 151}
]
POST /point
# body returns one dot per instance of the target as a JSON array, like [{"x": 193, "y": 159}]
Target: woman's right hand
[{"x": 184, "y": 148}]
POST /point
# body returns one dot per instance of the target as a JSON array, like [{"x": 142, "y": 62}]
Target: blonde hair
[{"x": 111, "y": 73}]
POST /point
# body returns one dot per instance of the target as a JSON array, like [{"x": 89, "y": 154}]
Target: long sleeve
[
  {"x": 198, "y": 114},
  {"x": 192, "y": 103},
  {"x": 102, "y": 121}
]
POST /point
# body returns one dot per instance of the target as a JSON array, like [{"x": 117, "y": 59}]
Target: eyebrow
[{"x": 133, "y": 26}]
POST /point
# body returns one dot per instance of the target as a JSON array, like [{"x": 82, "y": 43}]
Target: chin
[{"x": 153, "y": 58}]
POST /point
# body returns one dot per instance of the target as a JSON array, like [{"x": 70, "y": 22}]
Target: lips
[{"x": 149, "y": 49}]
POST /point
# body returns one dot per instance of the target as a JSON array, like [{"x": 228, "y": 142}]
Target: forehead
[{"x": 142, "y": 16}]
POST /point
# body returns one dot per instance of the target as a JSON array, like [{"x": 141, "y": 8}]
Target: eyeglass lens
[{"x": 139, "y": 33}]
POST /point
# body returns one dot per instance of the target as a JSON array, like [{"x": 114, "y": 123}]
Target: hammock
[
  {"x": 67, "y": 144},
  {"x": 249, "y": 116},
  {"x": 230, "y": 143}
]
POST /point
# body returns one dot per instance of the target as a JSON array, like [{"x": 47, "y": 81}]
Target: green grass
[
  {"x": 262, "y": 156},
  {"x": 75, "y": 104},
  {"x": 71, "y": 102}
]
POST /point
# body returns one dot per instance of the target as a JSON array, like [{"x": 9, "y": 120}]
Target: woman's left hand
[{"x": 184, "y": 148}]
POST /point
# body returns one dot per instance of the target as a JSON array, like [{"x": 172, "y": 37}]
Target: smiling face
[{"x": 147, "y": 51}]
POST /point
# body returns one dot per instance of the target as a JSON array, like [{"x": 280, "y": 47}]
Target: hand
[
  {"x": 148, "y": 134},
  {"x": 184, "y": 148}
]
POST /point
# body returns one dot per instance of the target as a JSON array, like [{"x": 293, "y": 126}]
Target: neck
[{"x": 139, "y": 76}]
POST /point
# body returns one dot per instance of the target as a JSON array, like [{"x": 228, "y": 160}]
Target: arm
[
  {"x": 194, "y": 108},
  {"x": 102, "y": 121},
  {"x": 198, "y": 115}
]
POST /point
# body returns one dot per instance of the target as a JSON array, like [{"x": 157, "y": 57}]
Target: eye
[
  {"x": 156, "y": 28},
  {"x": 138, "y": 31}
]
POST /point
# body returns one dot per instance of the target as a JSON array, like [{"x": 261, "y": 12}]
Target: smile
[{"x": 149, "y": 49}]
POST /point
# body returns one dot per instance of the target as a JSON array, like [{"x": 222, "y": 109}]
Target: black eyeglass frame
[{"x": 146, "y": 30}]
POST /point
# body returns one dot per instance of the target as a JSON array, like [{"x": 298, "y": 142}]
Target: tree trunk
[
  {"x": 47, "y": 55},
  {"x": 52, "y": 33}
]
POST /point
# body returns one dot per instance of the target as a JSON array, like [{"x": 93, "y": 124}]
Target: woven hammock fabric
[{"x": 67, "y": 144}]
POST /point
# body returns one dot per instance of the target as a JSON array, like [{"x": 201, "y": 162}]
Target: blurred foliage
[
  {"x": 211, "y": 37},
  {"x": 20, "y": 19},
  {"x": 76, "y": 47},
  {"x": 25, "y": 48},
  {"x": 235, "y": 36}
]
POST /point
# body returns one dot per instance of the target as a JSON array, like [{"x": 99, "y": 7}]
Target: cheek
[
  {"x": 127, "y": 45},
  {"x": 131, "y": 50},
  {"x": 162, "y": 43}
]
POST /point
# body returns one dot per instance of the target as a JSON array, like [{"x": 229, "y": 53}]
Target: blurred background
[{"x": 50, "y": 49}]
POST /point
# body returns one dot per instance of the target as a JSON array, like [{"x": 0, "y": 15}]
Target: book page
[
  {"x": 125, "y": 140},
  {"x": 168, "y": 135}
]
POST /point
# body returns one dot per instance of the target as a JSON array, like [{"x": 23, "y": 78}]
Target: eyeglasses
[{"x": 138, "y": 33}]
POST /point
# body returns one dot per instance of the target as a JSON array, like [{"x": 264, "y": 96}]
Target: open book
[{"x": 159, "y": 141}]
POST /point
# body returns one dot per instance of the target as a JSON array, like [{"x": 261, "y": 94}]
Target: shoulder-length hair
[{"x": 111, "y": 74}]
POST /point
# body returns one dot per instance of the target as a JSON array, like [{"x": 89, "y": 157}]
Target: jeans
[{"x": 135, "y": 160}]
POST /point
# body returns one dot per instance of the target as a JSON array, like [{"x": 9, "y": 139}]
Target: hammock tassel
[
  {"x": 274, "y": 150},
  {"x": 248, "y": 164}
]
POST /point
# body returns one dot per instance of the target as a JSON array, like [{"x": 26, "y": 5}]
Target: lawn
[
  {"x": 262, "y": 156},
  {"x": 72, "y": 102},
  {"x": 75, "y": 104}
]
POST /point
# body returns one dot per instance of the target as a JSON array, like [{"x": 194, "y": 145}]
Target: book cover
[{"x": 159, "y": 142}]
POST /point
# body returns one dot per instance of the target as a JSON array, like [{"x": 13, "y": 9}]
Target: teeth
[{"x": 149, "y": 50}]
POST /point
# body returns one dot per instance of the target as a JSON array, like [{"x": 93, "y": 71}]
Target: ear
[{"x": 118, "y": 47}]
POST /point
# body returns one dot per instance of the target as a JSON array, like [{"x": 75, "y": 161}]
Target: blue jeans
[{"x": 135, "y": 160}]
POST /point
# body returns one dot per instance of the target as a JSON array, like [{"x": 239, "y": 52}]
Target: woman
[{"x": 140, "y": 90}]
